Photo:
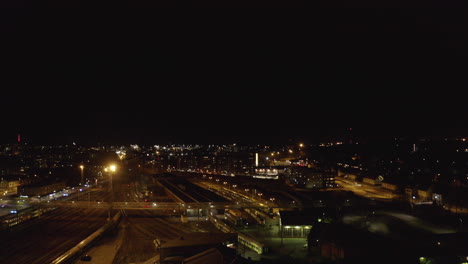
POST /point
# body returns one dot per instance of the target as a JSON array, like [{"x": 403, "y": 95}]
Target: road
[{"x": 365, "y": 190}]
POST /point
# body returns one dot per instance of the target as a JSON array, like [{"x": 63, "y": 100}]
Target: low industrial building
[{"x": 296, "y": 224}]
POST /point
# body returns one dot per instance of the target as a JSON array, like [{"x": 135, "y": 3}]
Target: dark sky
[{"x": 247, "y": 76}]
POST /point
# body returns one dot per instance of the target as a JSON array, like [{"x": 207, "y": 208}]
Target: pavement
[
  {"x": 106, "y": 249},
  {"x": 286, "y": 250},
  {"x": 291, "y": 247},
  {"x": 420, "y": 224},
  {"x": 365, "y": 190},
  {"x": 379, "y": 193}
]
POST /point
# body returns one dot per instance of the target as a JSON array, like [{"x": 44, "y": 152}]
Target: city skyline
[{"x": 127, "y": 134}]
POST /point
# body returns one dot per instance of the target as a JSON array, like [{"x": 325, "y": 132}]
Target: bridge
[{"x": 159, "y": 206}]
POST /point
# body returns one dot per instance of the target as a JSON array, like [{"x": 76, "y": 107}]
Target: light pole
[
  {"x": 82, "y": 168},
  {"x": 112, "y": 169}
]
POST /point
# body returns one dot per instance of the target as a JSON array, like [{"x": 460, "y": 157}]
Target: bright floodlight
[
  {"x": 113, "y": 168},
  {"x": 81, "y": 167}
]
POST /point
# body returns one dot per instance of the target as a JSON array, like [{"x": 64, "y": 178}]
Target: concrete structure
[
  {"x": 212, "y": 256},
  {"x": 370, "y": 181},
  {"x": 424, "y": 195},
  {"x": 197, "y": 248},
  {"x": 296, "y": 224},
  {"x": 389, "y": 186},
  {"x": 347, "y": 175}
]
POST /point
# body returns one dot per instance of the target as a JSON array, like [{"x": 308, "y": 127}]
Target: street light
[
  {"x": 112, "y": 169},
  {"x": 81, "y": 167}
]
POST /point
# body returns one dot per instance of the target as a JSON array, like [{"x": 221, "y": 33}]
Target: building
[
  {"x": 9, "y": 185},
  {"x": 211, "y": 160},
  {"x": 309, "y": 178},
  {"x": 295, "y": 224},
  {"x": 41, "y": 188},
  {"x": 272, "y": 173}
]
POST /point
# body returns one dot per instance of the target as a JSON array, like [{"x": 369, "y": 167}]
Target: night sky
[{"x": 245, "y": 77}]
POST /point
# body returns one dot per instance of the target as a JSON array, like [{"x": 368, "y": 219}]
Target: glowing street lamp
[
  {"x": 81, "y": 167},
  {"x": 112, "y": 169}
]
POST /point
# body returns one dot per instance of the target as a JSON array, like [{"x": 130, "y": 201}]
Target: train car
[
  {"x": 252, "y": 243},
  {"x": 16, "y": 217}
]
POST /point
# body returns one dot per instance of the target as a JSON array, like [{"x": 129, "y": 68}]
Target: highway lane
[{"x": 365, "y": 190}]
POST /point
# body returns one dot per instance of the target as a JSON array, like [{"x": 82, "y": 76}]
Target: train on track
[{"x": 242, "y": 239}]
